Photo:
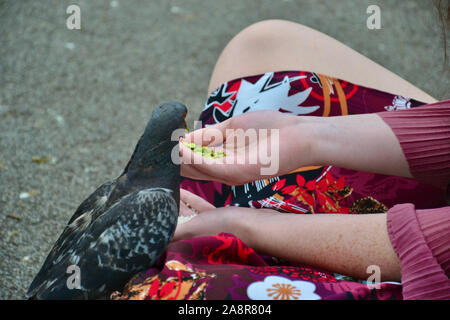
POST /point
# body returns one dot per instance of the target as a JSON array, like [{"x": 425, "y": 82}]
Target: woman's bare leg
[{"x": 278, "y": 45}]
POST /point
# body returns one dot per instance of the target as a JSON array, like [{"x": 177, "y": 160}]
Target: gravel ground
[{"x": 82, "y": 98}]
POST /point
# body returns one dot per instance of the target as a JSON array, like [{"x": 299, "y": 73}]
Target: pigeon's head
[
  {"x": 171, "y": 115},
  {"x": 156, "y": 146}
]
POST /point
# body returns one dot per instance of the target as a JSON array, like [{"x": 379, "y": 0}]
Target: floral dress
[{"x": 219, "y": 267}]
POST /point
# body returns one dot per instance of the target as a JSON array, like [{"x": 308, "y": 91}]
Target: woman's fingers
[
  {"x": 191, "y": 204},
  {"x": 192, "y": 173},
  {"x": 201, "y": 225},
  {"x": 197, "y": 203},
  {"x": 231, "y": 170},
  {"x": 190, "y": 157},
  {"x": 185, "y": 211},
  {"x": 209, "y": 136},
  {"x": 196, "y": 166},
  {"x": 241, "y": 147}
]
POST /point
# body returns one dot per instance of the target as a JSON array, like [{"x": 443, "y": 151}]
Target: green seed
[{"x": 204, "y": 151}]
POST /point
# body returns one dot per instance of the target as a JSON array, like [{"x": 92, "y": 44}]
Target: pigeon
[{"x": 123, "y": 227}]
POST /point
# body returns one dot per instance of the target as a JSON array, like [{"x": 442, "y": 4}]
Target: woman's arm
[
  {"x": 359, "y": 142},
  {"x": 405, "y": 240},
  {"x": 345, "y": 244},
  {"x": 408, "y": 143}
]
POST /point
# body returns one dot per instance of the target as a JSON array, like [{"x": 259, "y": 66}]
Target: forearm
[
  {"x": 345, "y": 244},
  {"x": 358, "y": 142}
]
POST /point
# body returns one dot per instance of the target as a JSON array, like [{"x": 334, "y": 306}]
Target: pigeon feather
[{"x": 123, "y": 226}]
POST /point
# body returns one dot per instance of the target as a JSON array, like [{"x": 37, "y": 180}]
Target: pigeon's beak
[{"x": 184, "y": 120}]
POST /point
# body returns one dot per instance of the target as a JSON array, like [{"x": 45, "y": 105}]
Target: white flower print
[{"x": 279, "y": 288}]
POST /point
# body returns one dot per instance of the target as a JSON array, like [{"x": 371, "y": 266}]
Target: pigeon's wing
[
  {"x": 80, "y": 221},
  {"x": 96, "y": 200},
  {"x": 128, "y": 238}
]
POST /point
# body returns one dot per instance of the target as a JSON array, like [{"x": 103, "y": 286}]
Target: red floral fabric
[{"x": 222, "y": 266}]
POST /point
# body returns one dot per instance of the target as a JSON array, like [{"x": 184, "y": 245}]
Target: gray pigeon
[{"x": 123, "y": 227}]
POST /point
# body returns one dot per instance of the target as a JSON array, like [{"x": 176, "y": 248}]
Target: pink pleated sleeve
[{"x": 421, "y": 238}]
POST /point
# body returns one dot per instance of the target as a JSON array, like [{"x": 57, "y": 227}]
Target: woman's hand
[
  {"x": 345, "y": 244},
  {"x": 191, "y": 204},
  {"x": 205, "y": 223},
  {"x": 357, "y": 142},
  {"x": 205, "y": 218},
  {"x": 257, "y": 145},
  {"x": 218, "y": 220}
]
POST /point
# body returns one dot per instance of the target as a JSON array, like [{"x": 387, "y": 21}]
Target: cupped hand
[
  {"x": 191, "y": 204},
  {"x": 240, "y": 221},
  {"x": 257, "y": 145},
  {"x": 207, "y": 220},
  {"x": 204, "y": 223}
]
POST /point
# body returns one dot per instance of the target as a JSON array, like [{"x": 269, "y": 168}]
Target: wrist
[
  {"x": 239, "y": 221},
  {"x": 358, "y": 142},
  {"x": 314, "y": 132},
  {"x": 248, "y": 223}
]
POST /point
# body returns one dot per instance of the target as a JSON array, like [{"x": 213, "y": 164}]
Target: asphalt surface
[{"x": 78, "y": 100}]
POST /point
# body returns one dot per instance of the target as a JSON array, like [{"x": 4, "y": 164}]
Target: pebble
[
  {"x": 70, "y": 45},
  {"x": 25, "y": 195}
]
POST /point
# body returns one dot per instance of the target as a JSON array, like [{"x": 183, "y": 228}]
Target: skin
[
  {"x": 345, "y": 244},
  {"x": 279, "y": 45},
  {"x": 318, "y": 141}
]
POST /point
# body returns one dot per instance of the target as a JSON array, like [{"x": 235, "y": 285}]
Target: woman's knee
[
  {"x": 269, "y": 45},
  {"x": 279, "y": 45},
  {"x": 263, "y": 36}
]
